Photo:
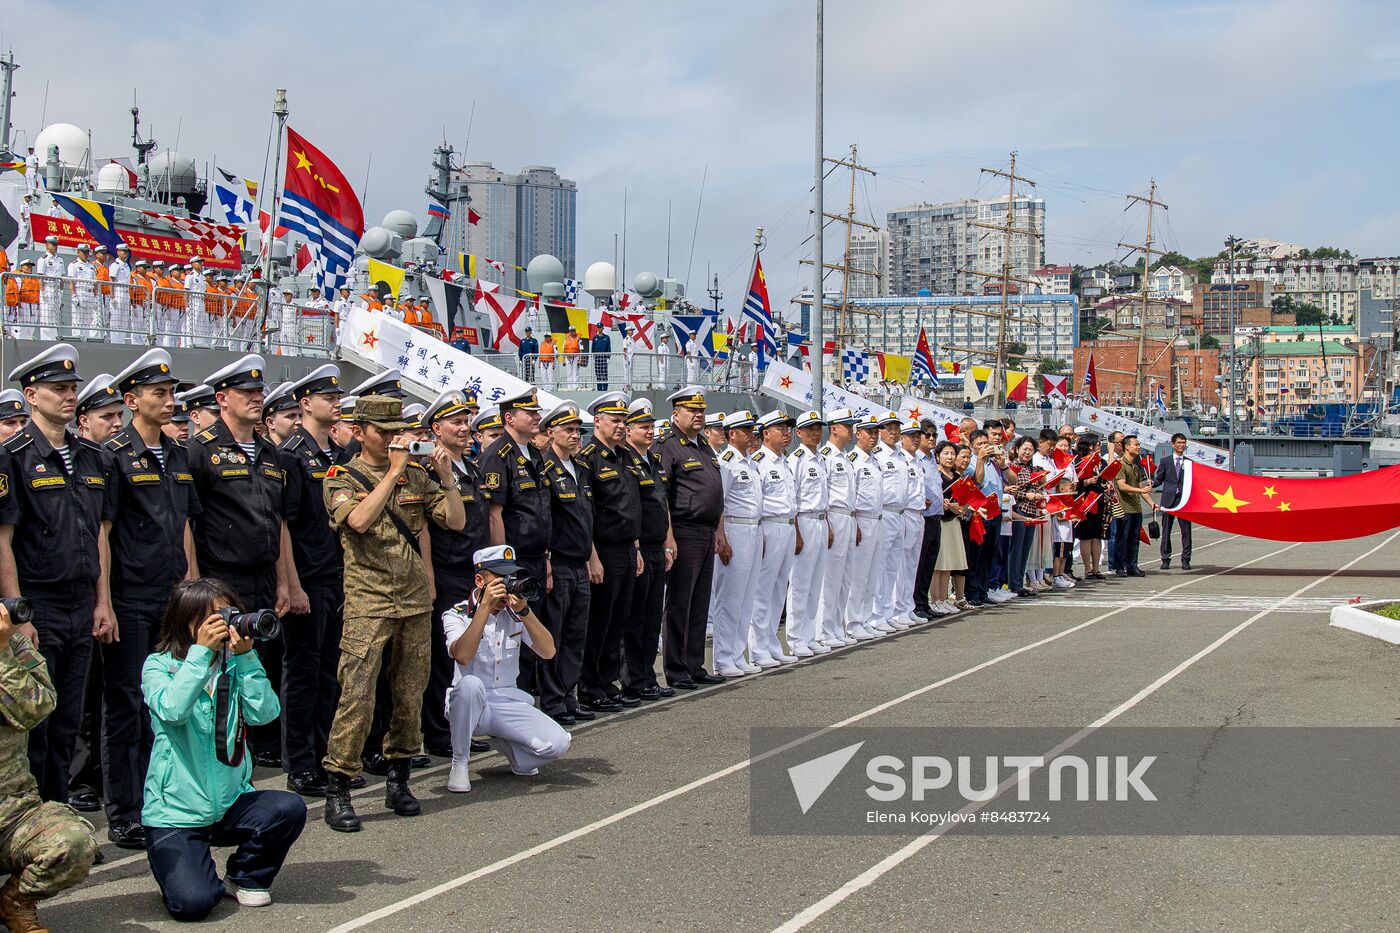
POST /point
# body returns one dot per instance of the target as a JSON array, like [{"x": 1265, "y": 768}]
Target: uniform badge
[
  {"x": 492, "y": 480},
  {"x": 39, "y": 468},
  {"x": 340, "y": 497},
  {"x": 214, "y": 459},
  {"x": 4, "y": 485}
]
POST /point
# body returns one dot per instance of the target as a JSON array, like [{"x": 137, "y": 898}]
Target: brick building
[{"x": 1115, "y": 364}]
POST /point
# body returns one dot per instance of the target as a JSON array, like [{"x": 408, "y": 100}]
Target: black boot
[
  {"x": 340, "y": 812},
  {"x": 397, "y": 796}
]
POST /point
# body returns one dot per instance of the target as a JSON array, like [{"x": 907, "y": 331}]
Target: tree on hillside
[
  {"x": 1015, "y": 350},
  {"x": 1051, "y": 367}
]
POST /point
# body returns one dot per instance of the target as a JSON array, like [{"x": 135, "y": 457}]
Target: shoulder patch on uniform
[
  {"x": 851, "y": 456},
  {"x": 727, "y": 456},
  {"x": 505, "y": 449},
  {"x": 800, "y": 452},
  {"x": 759, "y": 456},
  {"x": 295, "y": 441},
  {"x": 825, "y": 450},
  {"x": 334, "y": 471},
  {"x": 18, "y": 442},
  {"x": 119, "y": 441},
  {"x": 90, "y": 445},
  {"x": 206, "y": 436},
  {"x": 415, "y": 463},
  {"x": 589, "y": 449}
]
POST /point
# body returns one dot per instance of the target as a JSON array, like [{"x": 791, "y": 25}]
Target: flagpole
[
  {"x": 818, "y": 298},
  {"x": 279, "y": 111}
]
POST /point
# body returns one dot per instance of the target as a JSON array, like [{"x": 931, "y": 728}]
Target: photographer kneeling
[
  {"x": 203, "y": 688},
  {"x": 483, "y": 636}
]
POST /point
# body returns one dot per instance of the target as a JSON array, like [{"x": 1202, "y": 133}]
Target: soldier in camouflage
[
  {"x": 378, "y": 504},
  {"x": 45, "y": 847}
]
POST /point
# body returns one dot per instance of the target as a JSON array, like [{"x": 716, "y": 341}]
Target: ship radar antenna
[{"x": 143, "y": 148}]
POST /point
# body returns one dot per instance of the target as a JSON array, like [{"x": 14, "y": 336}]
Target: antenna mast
[
  {"x": 1140, "y": 380},
  {"x": 843, "y": 332}
]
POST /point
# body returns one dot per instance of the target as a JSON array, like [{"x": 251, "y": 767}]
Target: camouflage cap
[{"x": 380, "y": 411}]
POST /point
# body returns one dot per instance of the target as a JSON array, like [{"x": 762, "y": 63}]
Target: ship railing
[{"x": 614, "y": 370}]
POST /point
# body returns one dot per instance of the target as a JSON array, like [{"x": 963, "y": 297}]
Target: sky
[{"x": 1273, "y": 118}]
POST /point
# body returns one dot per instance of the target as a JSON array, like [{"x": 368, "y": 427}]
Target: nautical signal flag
[
  {"x": 923, "y": 360},
  {"x": 1017, "y": 384},
  {"x": 895, "y": 367},
  {"x": 319, "y": 203},
  {"x": 561, "y": 318},
  {"x": 386, "y": 279},
  {"x": 473, "y": 217},
  {"x": 14, "y": 165},
  {"x": 1052, "y": 386},
  {"x": 977, "y": 382},
  {"x": 1091, "y": 380},
  {"x": 760, "y": 312},
  {"x": 97, "y": 218}
]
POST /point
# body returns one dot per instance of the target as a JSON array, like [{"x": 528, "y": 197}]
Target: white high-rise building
[
  {"x": 521, "y": 215},
  {"x": 932, "y": 245}
]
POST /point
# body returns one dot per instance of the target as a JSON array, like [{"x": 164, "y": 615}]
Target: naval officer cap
[
  {"x": 609, "y": 403},
  {"x": 148, "y": 369},
  {"x": 59, "y": 363},
  {"x": 279, "y": 399},
  {"x": 452, "y": 402},
  {"x": 489, "y": 417},
  {"x": 323, "y": 380},
  {"x": 381, "y": 411},
  {"x": 13, "y": 405},
  {"x": 870, "y": 422},
  {"x": 692, "y": 397},
  {"x": 389, "y": 382},
  {"x": 775, "y": 419},
  {"x": 347, "y": 406},
  {"x": 51, "y": 239},
  {"x": 743, "y": 418},
  {"x": 98, "y": 393},
  {"x": 25, "y": 262},
  {"x": 912, "y": 426},
  {"x": 640, "y": 411},
  {"x": 413, "y": 414},
  {"x": 247, "y": 373},
  {"x": 499, "y": 560},
  {"x": 83, "y": 248},
  {"x": 565, "y": 413},
  {"x": 201, "y": 396},
  {"x": 100, "y": 248},
  {"x": 889, "y": 418},
  {"x": 181, "y": 413},
  {"x": 842, "y": 416},
  {"x": 714, "y": 419},
  {"x": 528, "y": 400},
  {"x": 809, "y": 419}
]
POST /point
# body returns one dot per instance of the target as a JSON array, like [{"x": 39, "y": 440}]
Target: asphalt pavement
[{"x": 645, "y": 824}]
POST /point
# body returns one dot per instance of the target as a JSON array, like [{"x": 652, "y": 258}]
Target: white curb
[{"x": 1356, "y": 618}]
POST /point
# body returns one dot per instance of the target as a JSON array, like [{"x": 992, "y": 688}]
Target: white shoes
[
  {"x": 862, "y": 633},
  {"x": 944, "y": 608},
  {"x": 880, "y": 627},
  {"x": 248, "y": 897},
  {"x": 998, "y": 596},
  {"x": 849, "y": 638},
  {"x": 801, "y": 651},
  {"x": 789, "y": 658},
  {"x": 531, "y": 773},
  {"x": 766, "y": 662},
  {"x": 748, "y": 668},
  {"x": 818, "y": 647},
  {"x": 459, "y": 781},
  {"x": 1062, "y": 583},
  {"x": 731, "y": 672}
]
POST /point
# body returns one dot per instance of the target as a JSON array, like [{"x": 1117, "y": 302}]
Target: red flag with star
[{"x": 1331, "y": 508}]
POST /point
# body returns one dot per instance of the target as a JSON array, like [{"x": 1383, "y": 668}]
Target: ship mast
[
  {"x": 1140, "y": 380},
  {"x": 7, "y": 80},
  {"x": 279, "y": 112}
]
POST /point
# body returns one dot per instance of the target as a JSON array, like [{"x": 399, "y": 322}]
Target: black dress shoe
[
  {"x": 418, "y": 761},
  {"x": 307, "y": 783},
  {"x": 650, "y": 694},
  {"x": 357, "y": 782},
  {"x": 704, "y": 677},
  {"x": 1186, "y": 565},
  {"x": 1166, "y": 565},
  {"x": 85, "y": 802},
  {"x": 684, "y": 684},
  {"x": 622, "y": 699},
  {"x": 127, "y": 835},
  {"x": 601, "y": 705},
  {"x": 565, "y": 718},
  {"x": 266, "y": 759},
  {"x": 479, "y": 746},
  {"x": 923, "y": 613},
  {"x": 375, "y": 764},
  {"x": 581, "y": 714},
  {"x": 1136, "y": 573},
  {"x": 438, "y": 750}
]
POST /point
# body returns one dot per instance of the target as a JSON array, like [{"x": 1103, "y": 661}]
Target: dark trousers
[
  {"x": 1168, "y": 519},
  {"x": 928, "y": 556},
  {"x": 1125, "y": 544},
  {"x": 609, "y": 616},
  {"x": 602, "y": 366},
  {"x": 263, "y": 824},
  {"x": 1018, "y": 554},
  {"x": 126, "y": 739},
  {"x": 688, "y": 600},
  {"x": 534, "y": 566},
  {"x": 310, "y": 690},
  {"x": 258, "y": 590},
  {"x": 85, "y": 768},
  {"x": 568, "y": 606},
  {"x": 644, "y": 629},
  {"x": 979, "y": 572},
  {"x": 451, "y": 588},
  {"x": 63, "y": 619},
  {"x": 1001, "y": 556}
]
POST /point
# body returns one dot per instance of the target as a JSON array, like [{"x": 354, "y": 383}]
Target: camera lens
[{"x": 21, "y": 610}]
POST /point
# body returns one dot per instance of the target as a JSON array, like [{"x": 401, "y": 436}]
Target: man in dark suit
[{"x": 1170, "y": 475}]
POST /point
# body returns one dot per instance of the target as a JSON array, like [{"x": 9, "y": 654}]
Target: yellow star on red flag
[
  {"x": 1283, "y": 507},
  {"x": 1269, "y": 492},
  {"x": 1227, "y": 500}
]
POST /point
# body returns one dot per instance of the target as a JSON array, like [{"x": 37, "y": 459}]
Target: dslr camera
[
  {"x": 523, "y": 585},
  {"x": 260, "y": 625},
  {"x": 21, "y": 610}
]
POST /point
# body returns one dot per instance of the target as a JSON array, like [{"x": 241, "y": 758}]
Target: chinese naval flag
[{"x": 1323, "y": 509}]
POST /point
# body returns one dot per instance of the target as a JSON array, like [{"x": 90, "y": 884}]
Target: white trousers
[
  {"x": 865, "y": 560},
  {"x": 836, "y": 577},
  {"x": 734, "y": 594},
  {"x": 775, "y": 569},
  {"x": 50, "y": 309},
  {"x": 804, "y": 596},
  {"x": 913, "y": 540},
  {"x": 891, "y": 561},
  {"x": 525, "y": 735},
  {"x": 547, "y": 375}
]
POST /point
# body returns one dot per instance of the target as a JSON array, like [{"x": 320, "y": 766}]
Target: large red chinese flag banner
[{"x": 1324, "y": 509}]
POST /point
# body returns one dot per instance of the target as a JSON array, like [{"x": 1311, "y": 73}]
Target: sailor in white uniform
[
  {"x": 120, "y": 272},
  {"x": 52, "y": 267},
  {"x": 315, "y": 304},
  {"x": 484, "y": 634},
  {"x": 912, "y": 520},
  {"x": 866, "y": 507},
  {"x": 835, "y": 579},
  {"x": 87, "y": 304},
  {"x": 736, "y": 578},
  {"x": 779, "y": 538},
  {"x": 895, "y": 494},
  {"x": 290, "y": 334},
  {"x": 342, "y": 308},
  {"x": 809, "y": 470}
]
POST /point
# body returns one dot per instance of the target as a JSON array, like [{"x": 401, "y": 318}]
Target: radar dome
[
  {"x": 420, "y": 250},
  {"x": 543, "y": 268},
  {"x": 401, "y": 222},
  {"x": 647, "y": 284},
  {"x": 173, "y": 172},
  {"x": 72, "y": 143},
  {"x": 113, "y": 177},
  {"x": 600, "y": 279},
  {"x": 280, "y": 250},
  {"x": 378, "y": 243}
]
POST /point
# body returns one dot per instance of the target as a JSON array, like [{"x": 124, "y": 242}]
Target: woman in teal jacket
[{"x": 194, "y": 800}]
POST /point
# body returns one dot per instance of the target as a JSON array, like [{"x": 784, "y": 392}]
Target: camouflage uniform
[
  {"x": 386, "y": 599},
  {"x": 46, "y": 846}
]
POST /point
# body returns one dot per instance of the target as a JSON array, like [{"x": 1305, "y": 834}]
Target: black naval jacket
[
  {"x": 516, "y": 483},
  {"x": 572, "y": 506},
  {"x": 154, "y": 501},
  {"x": 57, "y": 514},
  {"x": 692, "y": 479},
  {"x": 617, "y": 500},
  {"x": 241, "y": 522},
  {"x": 453, "y": 551},
  {"x": 315, "y": 548},
  {"x": 656, "y": 512}
]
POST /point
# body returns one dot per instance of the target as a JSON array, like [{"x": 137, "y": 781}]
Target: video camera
[{"x": 260, "y": 625}]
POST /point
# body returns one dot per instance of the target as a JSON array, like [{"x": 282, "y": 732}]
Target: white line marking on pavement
[
  {"x": 868, "y": 877},
  {"x": 454, "y": 883}
]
